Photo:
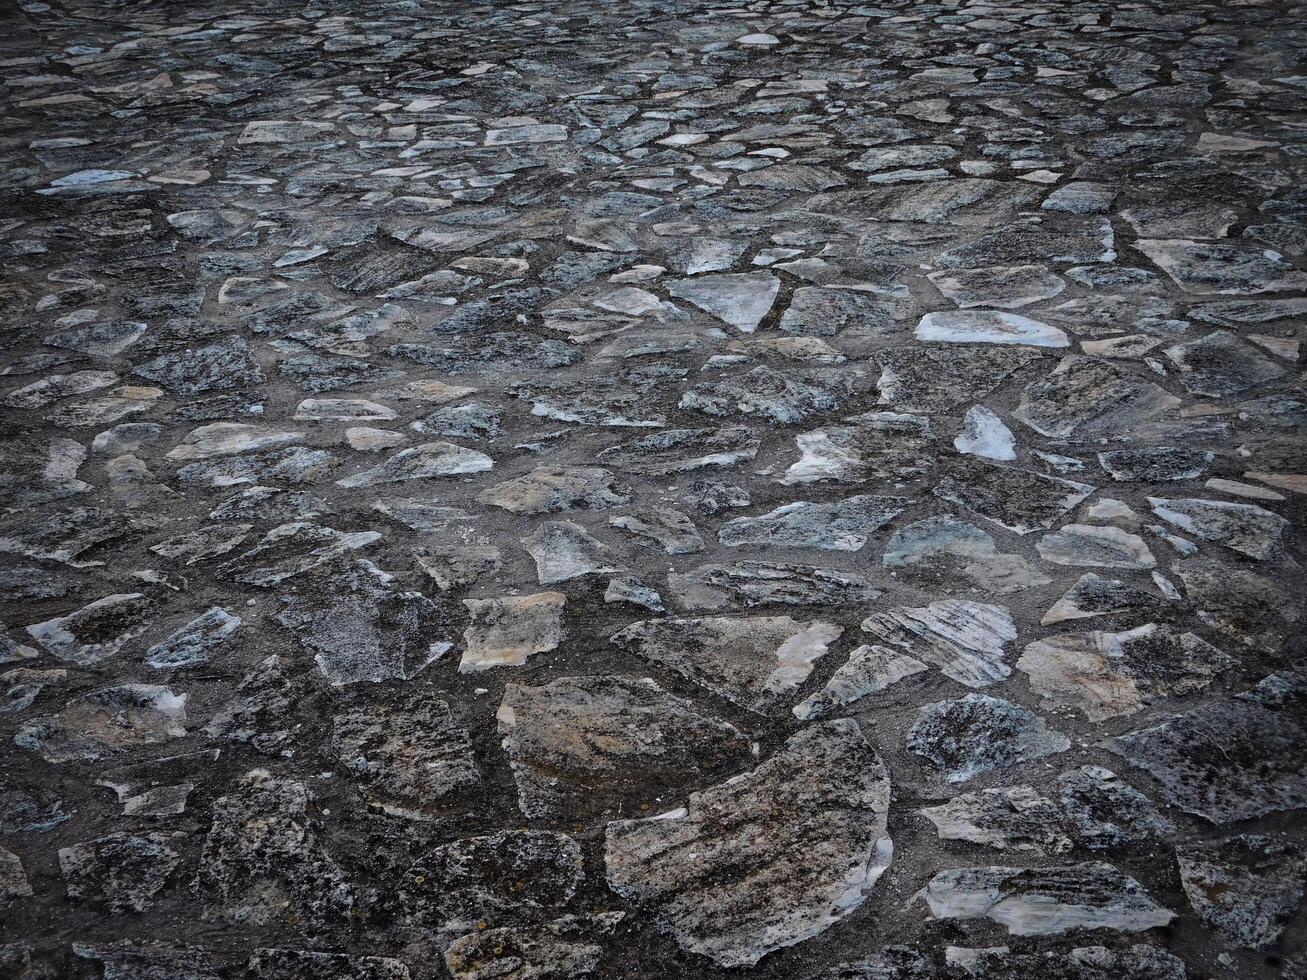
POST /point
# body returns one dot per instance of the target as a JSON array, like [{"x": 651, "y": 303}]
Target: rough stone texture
[
  {"x": 780, "y": 853},
  {"x": 436, "y": 431}
]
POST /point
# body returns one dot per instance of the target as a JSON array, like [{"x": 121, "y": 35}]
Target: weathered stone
[
  {"x": 977, "y": 733},
  {"x": 783, "y": 852}
]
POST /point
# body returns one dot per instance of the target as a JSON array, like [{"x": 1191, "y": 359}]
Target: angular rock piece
[
  {"x": 824, "y": 311},
  {"x": 984, "y": 434},
  {"x": 1105, "y": 675},
  {"x": 1084, "y": 398},
  {"x": 988, "y": 327},
  {"x": 1221, "y": 364},
  {"x": 841, "y": 526},
  {"x": 783, "y": 852},
  {"x": 361, "y": 628},
  {"x": 408, "y": 758},
  {"x": 929, "y": 379},
  {"x": 303, "y": 964},
  {"x": 96, "y": 631},
  {"x": 1138, "y": 962},
  {"x": 1219, "y": 267},
  {"x": 122, "y": 871},
  {"x": 756, "y": 583},
  {"x": 1009, "y": 817},
  {"x": 1046, "y": 901},
  {"x": 1019, "y": 500},
  {"x": 780, "y": 397},
  {"x": 601, "y": 745},
  {"x": 1230, "y": 759},
  {"x": 663, "y": 527},
  {"x": 1101, "y": 810},
  {"x": 945, "y": 546},
  {"x": 1095, "y": 546},
  {"x": 549, "y": 489},
  {"x": 875, "y": 444},
  {"x": 192, "y": 643},
  {"x": 963, "y": 639},
  {"x": 293, "y": 549},
  {"x": 754, "y": 661},
  {"x": 971, "y": 735},
  {"x": 485, "y": 879},
  {"x": 1249, "y": 886},
  {"x": 741, "y": 300},
  {"x": 563, "y": 550},
  {"x": 868, "y": 670},
  {"x": 566, "y": 949},
  {"x": 681, "y": 450},
  {"x": 1154, "y": 463},
  {"x": 504, "y": 632},
  {"x": 1246, "y": 528},
  {"x": 431, "y": 459},
  {"x": 1240, "y": 603},
  {"x": 262, "y": 858},
  {"x": 106, "y": 722},
  {"x": 1093, "y": 595},
  {"x": 1001, "y": 287}
]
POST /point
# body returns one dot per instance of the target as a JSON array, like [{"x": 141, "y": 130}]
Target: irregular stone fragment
[
  {"x": 263, "y": 860},
  {"x": 984, "y": 434},
  {"x": 944, "y": 545},
  {"x": 431, "y": 459},
  {"x": 550, "y": 489},
  {"x": 868, "y": 670},
  {"x": 1218, "y": 267},
  {"x": 1019, "y": 500},
  {"x": 756, "y": 583},
  {"x": 841, "y": 526},
  {"x": 303, "y": 964},
  {"x": 929, "y": 379},
  {"x": 563, "y": 550},
  {"x": 1093, "y": 595},
  {"x": 13, "y": 879},
  {"x": 361, "y": 628},
  {"x": 487, "y": 879},
  {"x": 682, "y": 450},
  {"x": 563, "y": 949},
  {"x": 293, "y": 549},
  {"x": 1220, "y": 364},
  {"x": 1156, "y": 463},
  {"x": 783, "y": 852},
  {"x": 1046, "y": 901},
  {"x": 782, "y": 398},
  {"x": 504, "y": 632},
  {"x": 1095, "y": 546},
  {"x": 105, "y": 722},
  {"x": 1240, "y": 603},
  {"x": 407, "y": 759},
  {"x": 974, "y": 734},
  {"x": 1249, "y": 886},
  {"x": 753, "y": 661},
  {"x": 668, "y": 529},
  {"x": 1101, "y": 810},
  {"x": 121, "y": 872},
  {"x": 1246, "y": 528},
  {"x": 988, "y": 327},
  {"x": 126, "y": 960},
  {"x": 229, "y": 438},
  {"x": 875, "y": 444},
  {"x": 1138, "y": 962},
  {"x": 192, "y": 644},
  {"x": 219, "y": 366},
  {"x": 1012, "y": 817},
  {"x": 963, "y": 639},
  {"x": 1105, "y": 675},
  {"x": 590, "y": 746},
  {"x": 824, "y": 311},
  {"x": 97, "y": 631},
  {"x": 1085, "y": 398},
  {"x": 1229, "y": 759},
  {"x": 1002, "y": 287},
  {"x": 741, "y": 300},
  {"x": 889, "y": 963}
]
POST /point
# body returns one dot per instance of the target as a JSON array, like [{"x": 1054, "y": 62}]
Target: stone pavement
[{"x": 584, "y": 488}]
